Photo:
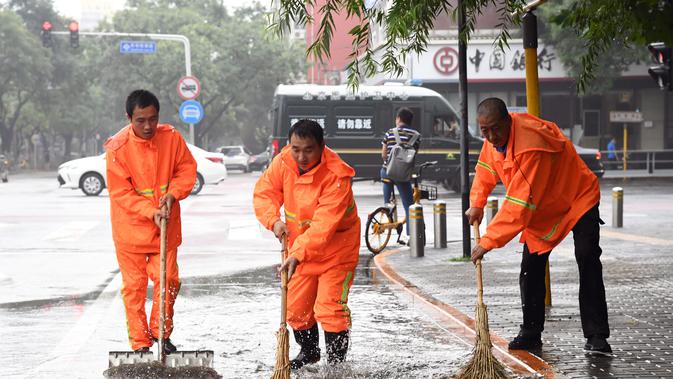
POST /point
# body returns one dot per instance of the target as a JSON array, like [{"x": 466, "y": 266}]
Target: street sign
[
  {"x": 517, "y": 109},
  {"x": 628, "y": 117},
  {"x": 191, "y": 112},
  {"x": 189, "y": 87},
  {"x": 137, "y": 47}
]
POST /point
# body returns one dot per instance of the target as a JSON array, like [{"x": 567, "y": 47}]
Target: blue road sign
[
  {"x": 191, "y": 112},
  {"x": 137, "y": 47}
]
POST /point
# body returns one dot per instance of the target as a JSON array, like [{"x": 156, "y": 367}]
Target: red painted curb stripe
[{"x": 463, "y": 326}]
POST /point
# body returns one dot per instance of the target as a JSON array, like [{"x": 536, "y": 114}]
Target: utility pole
[{"x": 533, "y": 87}]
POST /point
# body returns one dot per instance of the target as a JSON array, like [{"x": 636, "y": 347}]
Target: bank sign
[{"x": 485, "y": 62}]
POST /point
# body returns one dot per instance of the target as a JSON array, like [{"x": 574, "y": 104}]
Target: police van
[{"x": 356, "y": 122}]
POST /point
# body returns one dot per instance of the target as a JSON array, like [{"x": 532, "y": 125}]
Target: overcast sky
[{"x": 72, "y": 8}]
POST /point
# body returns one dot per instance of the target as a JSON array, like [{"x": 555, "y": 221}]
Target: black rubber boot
[
  {"x": 598, "y": 345},
  {"x": 337, "y": 346},
  {"x": 526, "y": 340},
  {"x": 310, "y": 350},
  {"x": 169, "y": 348}
]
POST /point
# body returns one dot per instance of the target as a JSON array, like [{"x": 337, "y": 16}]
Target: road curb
[{"x": 463, "y": 326}]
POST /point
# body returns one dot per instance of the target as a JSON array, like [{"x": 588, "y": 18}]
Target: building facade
[{"x": 491, "y": 72}]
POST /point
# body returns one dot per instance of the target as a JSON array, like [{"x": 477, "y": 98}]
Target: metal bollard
[
  {"x": 416, "y": 231},
  {"x": 491, "y": 208},
  {"x": 617, "y": 207},
  {"x": 439, "y": 208}
]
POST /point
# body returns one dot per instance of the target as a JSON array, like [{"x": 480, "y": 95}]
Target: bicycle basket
[{"x": 428, "y": 192}]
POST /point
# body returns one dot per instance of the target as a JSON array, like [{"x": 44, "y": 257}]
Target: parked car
[
  {"x": 259, "y": 162},
  {"x": 88, "y": 174},
  {"x": 593, "y": 159},
  {"x": 236, "y": 157}
]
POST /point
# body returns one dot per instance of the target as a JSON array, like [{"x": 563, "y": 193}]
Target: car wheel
[
  {"x": 91, "y": 184},
  {"x": 247, "y": 169},
  {"x": 198, "y": 185}
]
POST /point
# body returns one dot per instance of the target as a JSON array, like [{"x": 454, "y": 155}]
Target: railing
[{"x": 650, "y": 160}]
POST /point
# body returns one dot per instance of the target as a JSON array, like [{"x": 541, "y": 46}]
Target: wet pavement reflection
[{"x": 238, "y": 315}]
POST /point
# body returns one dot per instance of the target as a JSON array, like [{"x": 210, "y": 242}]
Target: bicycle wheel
[{"x": 376, "y": 235}]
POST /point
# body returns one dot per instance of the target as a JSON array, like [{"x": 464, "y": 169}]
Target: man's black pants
[{"x": 593, "y": 308}]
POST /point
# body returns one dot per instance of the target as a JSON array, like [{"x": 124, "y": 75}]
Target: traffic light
[
  {"x": 661, "y": 72},
  {"x": 46, "y": 34},
  {"x": 74, "y": 34}
]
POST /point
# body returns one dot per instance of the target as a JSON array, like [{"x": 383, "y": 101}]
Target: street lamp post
[{"x": 154, "y": 36}]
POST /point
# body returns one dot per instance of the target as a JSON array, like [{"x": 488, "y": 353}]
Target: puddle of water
[{"x": 237, "y": 316}]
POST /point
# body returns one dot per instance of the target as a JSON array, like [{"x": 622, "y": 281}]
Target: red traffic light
[
  {"x": 46, "y": 26},
  {"x": 74, "y": 26},
  {"x": 660, "y": 52}
]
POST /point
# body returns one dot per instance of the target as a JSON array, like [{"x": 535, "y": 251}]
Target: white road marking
[
  {"x": 71, "y": 231},
  {"x": 636, "y": 238},
  {"x": 67, "y": 350}
]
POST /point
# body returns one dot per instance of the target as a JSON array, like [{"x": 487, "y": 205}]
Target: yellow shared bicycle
[{"x": 382, "y": 222}]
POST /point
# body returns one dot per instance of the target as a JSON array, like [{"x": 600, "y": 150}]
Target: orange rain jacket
[
  {"x": 320, "y": 211},
  {"x": 139, "y": 172},
  {"x": 549, "y": 187}
]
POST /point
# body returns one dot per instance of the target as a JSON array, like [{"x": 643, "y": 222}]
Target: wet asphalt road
[{"x": 61, "y": 312}]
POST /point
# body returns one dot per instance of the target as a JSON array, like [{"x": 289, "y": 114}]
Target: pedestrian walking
[
  {"x": 149, "y": 170},
  {"x": 322, "y": 227},
  {"x": 612, "y": 152},
  {"x": 404, "y": 133},
  {"x": 550, "y": 192}
]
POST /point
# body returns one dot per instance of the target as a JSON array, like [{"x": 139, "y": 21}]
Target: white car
[
  {"x": 88, "y": 174},
  {"x": 236, "y": 157}
]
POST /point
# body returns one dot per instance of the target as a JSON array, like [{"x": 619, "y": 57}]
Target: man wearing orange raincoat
[
  {"x": 550, "y": 192},
  {"x": 148, "y": 167},
  {"x": 323, "y": 230}
]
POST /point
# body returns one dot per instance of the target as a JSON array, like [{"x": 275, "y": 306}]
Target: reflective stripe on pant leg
[
  {"x": 301, "y": 294},
  {"x": 331, "y": 309},
  {"x": 134, "y": 295},
  {"x": 172, "y": 289}
]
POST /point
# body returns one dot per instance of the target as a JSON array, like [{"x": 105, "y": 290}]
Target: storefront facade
[{"x": 492, "y": 72}]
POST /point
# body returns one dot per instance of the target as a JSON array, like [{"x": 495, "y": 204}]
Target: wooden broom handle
[
  {"x": 480, "y": 284},
  {"x": 283, "y": 285},
  {"x": 162, "y": 289}
]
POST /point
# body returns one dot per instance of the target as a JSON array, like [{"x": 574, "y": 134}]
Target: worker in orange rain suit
[
  {"x": 148, "y": 166},
  {"x": 550, "y": 191},
  {"x": 323, "y": 230}
]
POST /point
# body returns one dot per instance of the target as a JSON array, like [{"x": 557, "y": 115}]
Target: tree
[
  {"x": 25, "y": 70},
  {"x": 230, "y": 55},
  {"x": 600, "y": 24},
  {"x": 569, "y": 45}
]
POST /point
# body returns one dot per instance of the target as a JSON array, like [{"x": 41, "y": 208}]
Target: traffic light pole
[
  {"x": 533, "y": 90},
  {"x": 162, "y": 37}
]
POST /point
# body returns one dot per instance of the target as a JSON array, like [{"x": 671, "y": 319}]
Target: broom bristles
[
  {"x": 483, "y": 364},
  {"x": 282, "y": 369}
]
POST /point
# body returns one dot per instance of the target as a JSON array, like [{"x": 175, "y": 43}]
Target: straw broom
[
  {"x": 282, "y": 369},
  {"x": 483, "y": 365}
]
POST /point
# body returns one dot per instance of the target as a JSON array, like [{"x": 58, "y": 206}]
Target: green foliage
[
  {"x": 407, "y": 25},
  {"x": 602, "y": 26},
  {"x": 569, "y": 45},
  {"x": 236, "y": 64},
  {"x": 608, "y": 35},
  {"x": 24, "y": 72},
  {"x": 80, "y": 92}
]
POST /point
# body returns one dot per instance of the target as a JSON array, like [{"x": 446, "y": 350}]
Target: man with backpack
[{"x": 398, "y": 150}]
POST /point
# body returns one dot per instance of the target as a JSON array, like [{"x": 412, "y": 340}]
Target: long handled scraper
[{"x": 180, "y": 361}]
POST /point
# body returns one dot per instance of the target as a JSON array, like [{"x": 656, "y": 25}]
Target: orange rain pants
[
  {"x": 322, "y": 298},
  {"x": 135, "y": 269}
]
